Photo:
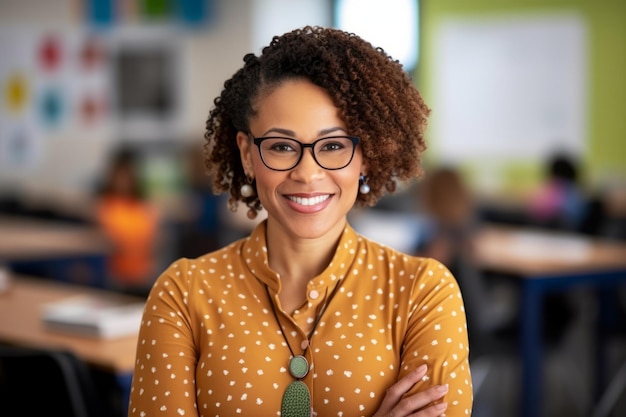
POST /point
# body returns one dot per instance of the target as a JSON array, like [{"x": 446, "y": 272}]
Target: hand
[{"x": 416, "y": 405}]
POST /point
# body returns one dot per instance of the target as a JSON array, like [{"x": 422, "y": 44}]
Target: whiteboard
[{"x": 509, "y": 87}]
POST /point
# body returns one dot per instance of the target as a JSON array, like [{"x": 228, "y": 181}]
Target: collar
[{"x": 254, "y": 253}]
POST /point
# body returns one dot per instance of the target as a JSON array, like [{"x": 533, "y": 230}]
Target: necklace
[{"x": 297, "y": 397}]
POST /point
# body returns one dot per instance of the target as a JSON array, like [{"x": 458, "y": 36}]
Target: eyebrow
[{"x": 291, "y": 133}]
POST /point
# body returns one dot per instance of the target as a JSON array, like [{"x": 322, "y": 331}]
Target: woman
[{"x": 306, "y": 317}]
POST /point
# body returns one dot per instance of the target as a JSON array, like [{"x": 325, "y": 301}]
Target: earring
[
  {"x": 251, "y": 214},
  {"x": 246, "y": 190},
  {"x": 363, "y": 188}
]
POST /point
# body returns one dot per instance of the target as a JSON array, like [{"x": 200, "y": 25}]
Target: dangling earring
[
  {"x": 363, "y": 188},
  {"x": 251, "y": 214},
  {"x": 246, "y": 190}
]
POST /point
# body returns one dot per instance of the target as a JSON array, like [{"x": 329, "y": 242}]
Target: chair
[
  {"x": 610, "y": 397},
  {"x": 37, "y": 382},
  {"x": 614, "y": 393}
]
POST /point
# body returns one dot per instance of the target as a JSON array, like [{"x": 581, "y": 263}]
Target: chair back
[{"x": 37, "y": 382}]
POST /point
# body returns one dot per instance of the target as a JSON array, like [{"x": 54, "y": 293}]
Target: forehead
[{"x": 296, "y": 105}]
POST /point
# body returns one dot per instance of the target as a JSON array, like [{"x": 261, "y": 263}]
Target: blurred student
[
  {"x": 448, "y": 205},
  {"x": 452, "y": 219},
  {"x": 201, "y": 227},
  {"x": 131, "y": 223},
  {"x": 490, "y": 300},
  {"x": 560, "y": 201}
]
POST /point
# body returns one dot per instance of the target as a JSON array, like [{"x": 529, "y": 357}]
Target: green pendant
[
  {"x": 298, "y": 367},
  {"x": 296, "y": 400}
]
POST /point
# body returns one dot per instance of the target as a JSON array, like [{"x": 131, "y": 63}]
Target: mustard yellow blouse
[{"x": 209, "y": 343}]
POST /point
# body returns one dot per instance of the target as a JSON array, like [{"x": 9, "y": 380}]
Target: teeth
[{"x": 309, "y": 201}]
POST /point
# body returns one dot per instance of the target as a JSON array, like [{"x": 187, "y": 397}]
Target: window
[{"x": 391, "y": 24}]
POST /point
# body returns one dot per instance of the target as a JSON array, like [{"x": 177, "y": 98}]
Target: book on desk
[{"x": 93, "y": 316}]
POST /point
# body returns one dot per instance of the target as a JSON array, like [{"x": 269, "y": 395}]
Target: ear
[
  {"x": 245, "y": 152},
  {"x": 363, "y": 170}
]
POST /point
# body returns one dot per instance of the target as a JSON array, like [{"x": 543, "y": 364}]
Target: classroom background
[{"x": 102, "y": 112}]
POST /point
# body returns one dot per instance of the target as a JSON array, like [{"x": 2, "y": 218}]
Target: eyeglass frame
[{"x": 257, "y": 141}]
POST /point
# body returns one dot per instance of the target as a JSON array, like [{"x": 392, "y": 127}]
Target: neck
[{"x": 297, "y": 261}]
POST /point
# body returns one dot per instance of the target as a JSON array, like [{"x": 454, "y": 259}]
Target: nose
[{"x": 307, "y": 169}]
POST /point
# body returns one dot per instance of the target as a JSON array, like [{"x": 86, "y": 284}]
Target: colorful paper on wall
[
  {"x": 100, "y": 12},
  {"x": 16, "y": 93},
  {"x": 56, "y": 84},
  {"x": 52, "y": 107},
  {"x": 194, "y": 12},
  {"x": 108, "y": 13}
]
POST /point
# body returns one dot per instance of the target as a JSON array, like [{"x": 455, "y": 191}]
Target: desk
[
  {"x": 64, "y": 251},
  {"x": 546, "y": 262},
  {"x": 21, "y": 325}
]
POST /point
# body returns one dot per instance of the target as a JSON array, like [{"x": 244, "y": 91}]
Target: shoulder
[
  {"x": 187, "y": 271},
  {"x": 213, "y": 261},
  {"x": 417, "y": 271},
  {"x": 423, "y": 285},
  {"x": 386, "y": 256}
]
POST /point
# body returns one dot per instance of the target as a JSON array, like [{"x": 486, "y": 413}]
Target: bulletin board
[
  {"x": 509, "y": 87},
  {"x": 53, "y": 82}
]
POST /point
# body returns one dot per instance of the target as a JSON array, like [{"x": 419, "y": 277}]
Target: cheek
[
  {"x": 357, "y": 168},
  {"x": 350, "y": 182},
  {"x": 266, "y": 180},
  {"x": 261, "y": 173}
]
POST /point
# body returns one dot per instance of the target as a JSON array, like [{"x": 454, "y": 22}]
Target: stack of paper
[{"x": 93, "y": 316}]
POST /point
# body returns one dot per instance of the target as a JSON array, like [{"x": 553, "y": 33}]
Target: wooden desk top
[
  {"x": 20, "y": 324},
  {"x": 23, "y": 238},
  {"x": 533, "y": 252}
]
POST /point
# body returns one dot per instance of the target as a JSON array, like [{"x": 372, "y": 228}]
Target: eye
[
  {"x": 334, "y": 144},
  {"x": 281, "y": 145}
]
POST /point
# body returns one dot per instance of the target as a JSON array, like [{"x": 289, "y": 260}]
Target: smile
[{"x": 309, "y": 201}]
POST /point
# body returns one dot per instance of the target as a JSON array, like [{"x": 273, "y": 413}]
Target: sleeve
[
  {"x": 437, "y": 336},
  {"x": 164, "y": 375}
]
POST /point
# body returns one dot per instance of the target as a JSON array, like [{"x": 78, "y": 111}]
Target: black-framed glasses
[{"x": 282, "y": 154}]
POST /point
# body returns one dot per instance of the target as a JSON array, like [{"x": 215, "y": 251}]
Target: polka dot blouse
[{"x": 210, "y": 345}]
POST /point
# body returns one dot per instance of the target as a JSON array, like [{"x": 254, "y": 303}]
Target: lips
[{"x": 309, "y": 201}]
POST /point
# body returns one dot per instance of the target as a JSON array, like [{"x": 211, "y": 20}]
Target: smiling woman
[
  {"x": 282, "y": 322},
  {"x": 303, "y": 187}
]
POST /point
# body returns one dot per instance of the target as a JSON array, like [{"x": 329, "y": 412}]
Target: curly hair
[{"x": 374, "y": 95}]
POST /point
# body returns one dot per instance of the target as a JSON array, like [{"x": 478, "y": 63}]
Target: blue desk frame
[
  {"x": 534, "y": 287},
  {"x": 124, "y": 382},
  {"x": 85, "y": 269}
]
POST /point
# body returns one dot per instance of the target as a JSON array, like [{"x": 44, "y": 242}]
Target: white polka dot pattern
[{"x": 209, "y": 344}]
